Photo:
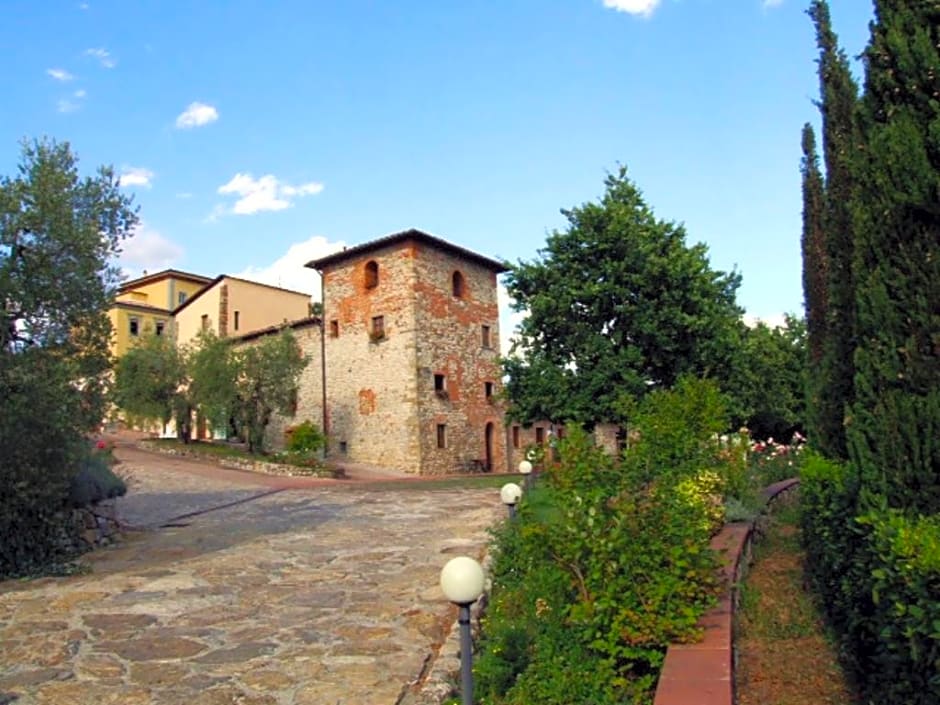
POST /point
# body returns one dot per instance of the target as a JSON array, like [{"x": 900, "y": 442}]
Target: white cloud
[
  {"x": 184, "y": 195},
  {"x": 289, "y": 272},
  {"x": 196, "y": 115},
  {"x": 104, "y": 57},
  {"x": 83, "y": 6},
  {"x": 136, "y": 176},
  {"x": 60, "y": 74},
  {"x": 149, "y": 250},
  {"x": 644, "y": 8},
  {"x": 264, "y": 194},
  {"x": 772, "y": 3},
  {"x": 67, "y": 106},
  {"x": 80, "y": 93}
]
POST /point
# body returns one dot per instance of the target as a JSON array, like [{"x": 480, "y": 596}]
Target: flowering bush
[{"x": 770, "y": 461}]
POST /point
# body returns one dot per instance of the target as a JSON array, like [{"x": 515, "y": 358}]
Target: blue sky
[{"x": 258, "y": 135}]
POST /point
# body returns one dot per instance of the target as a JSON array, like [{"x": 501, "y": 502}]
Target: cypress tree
[
  {"x": 838, "y": 102},
  {"x": 895, "y": 429},
  {"x": 815, "y": 272}
]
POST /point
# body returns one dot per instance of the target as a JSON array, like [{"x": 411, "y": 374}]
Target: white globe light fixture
[
  {"x": 510, "y": 493},
  {"x": 525, "y": 469},
  {"x": 462, "y": 581}
]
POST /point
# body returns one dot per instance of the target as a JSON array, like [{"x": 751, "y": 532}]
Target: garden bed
[{"x": 230, "y": 456}]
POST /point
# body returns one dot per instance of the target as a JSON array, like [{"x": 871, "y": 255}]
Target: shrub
[
  {"x": 95, "y": 481},
  {"x": 607, "y": 562},
  {"x": 39, "y": 448},
  {"x": 306, "y": 438},
  {"x": 903, "y": 560},
  {"x": 877, "y": 571}
]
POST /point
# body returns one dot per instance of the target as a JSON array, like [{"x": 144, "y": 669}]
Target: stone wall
[
  {"x": 450, "y": 342},
  {"x": 371, "y": 394}
]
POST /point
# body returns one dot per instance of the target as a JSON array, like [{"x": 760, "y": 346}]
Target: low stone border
[
  {"x": 703, "y": 673},
  {"x": 261, "y": 466}
]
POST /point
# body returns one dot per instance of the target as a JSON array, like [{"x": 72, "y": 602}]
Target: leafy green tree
[
  {"x": 838, "y": 103},
  {"x": 150, "y": 379},
  {"x": 213, "y": 373},
  {"x": 57, "y": 234},
  {"x": 618, "y": 305},
  {"x": 268, "y": 373},
  {"x": 895, "y": 423},
  {"x": 770, "y": 379}
]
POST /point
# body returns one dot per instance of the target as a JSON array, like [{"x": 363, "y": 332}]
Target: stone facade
[
  {"x": 412, "y": 376},
  {"x": 408, "y": 350}
]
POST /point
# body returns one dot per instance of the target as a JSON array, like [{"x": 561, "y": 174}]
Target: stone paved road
[{"x": 324, "y": 595}]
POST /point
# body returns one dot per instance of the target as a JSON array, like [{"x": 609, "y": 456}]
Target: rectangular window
[
  {"x": 134, "y": 326},
  {"x": 236, "y": 320},
  {"x": 515, "y": 436},
  {"x": 540, "y": 435},
  {"x": 441, "y": 435},
  {"x": 181, "y": 299},
  {"x": 343, "y": 447},
  {"x": 205, "y": 321},
  {"x": 440, "y": 386},
  {"x": 378, "y": 328},
  {"x": 159, "y": 328},
  {"x": 486, "y": 337},
  {"x": 334, "y": 328},
  {"x": 488, "y": 390}
]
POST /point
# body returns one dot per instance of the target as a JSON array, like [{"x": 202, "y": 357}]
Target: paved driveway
[{"x": 321, "y": 594}]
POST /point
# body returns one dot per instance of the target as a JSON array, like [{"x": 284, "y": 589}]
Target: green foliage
[
  {"x": 895, "y": 429},
  {"x": 213, "y": 372},
  {"x": 57, "y": 234},
  {"x": 306, "y": 438},
  {"x": 878, "y": 572},
  {"x": 607, "y": 561},
  {"x": 95, "y": 481},
  {"x": 769, "y": 385},
  {"x": 838, "y": 104},
  {"x": 617, "y": 304},
  {"x": 674, "y": 430},
  {"x": 268, "y": 372},
  {"x": 150, "y": 378}
]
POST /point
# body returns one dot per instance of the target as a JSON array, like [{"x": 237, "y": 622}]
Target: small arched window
[
  {"x": 458, "y": 285},
  {"x": 372, "y": 274}
]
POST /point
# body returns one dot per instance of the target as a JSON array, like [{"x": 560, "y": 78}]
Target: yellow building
[
  {"x": 145, "y": 305},
  {"x": 229, "y": 306}
]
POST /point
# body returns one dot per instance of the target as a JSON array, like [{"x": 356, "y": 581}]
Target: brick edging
[{"x": 703, "y": 673}]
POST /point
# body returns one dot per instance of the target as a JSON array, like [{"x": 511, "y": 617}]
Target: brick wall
[{"x": 450, "y": 342}]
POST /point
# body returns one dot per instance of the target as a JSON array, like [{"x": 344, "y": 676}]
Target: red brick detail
[
  {"x": 366, "y": 402},
  {"x": 703, "y": 673}
]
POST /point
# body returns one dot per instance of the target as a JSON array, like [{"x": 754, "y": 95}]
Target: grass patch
[
  {"x": 463, "y": 482},
  {"x": 785, "y": 653}
]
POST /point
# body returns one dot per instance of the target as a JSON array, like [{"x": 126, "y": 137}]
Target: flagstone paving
[{"x": 326, "y": 594}]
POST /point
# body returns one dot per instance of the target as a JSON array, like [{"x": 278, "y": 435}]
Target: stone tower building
[{"x": 409, "y": 354}]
